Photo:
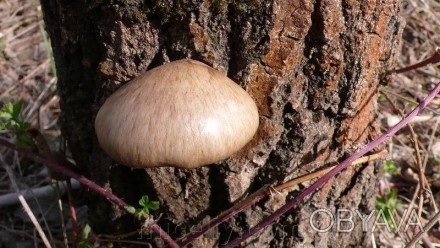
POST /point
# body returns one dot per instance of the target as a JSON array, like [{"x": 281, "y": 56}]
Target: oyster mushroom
[{"x": 183, "y": 114}]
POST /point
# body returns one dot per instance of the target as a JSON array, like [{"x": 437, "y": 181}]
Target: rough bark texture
[{"x": 313, "y": 67}]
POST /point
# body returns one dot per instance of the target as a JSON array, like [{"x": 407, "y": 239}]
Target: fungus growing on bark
[{"x": 183, "y": 114}]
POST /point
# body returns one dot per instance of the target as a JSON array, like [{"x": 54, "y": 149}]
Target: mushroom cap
[{"x": 183, "y": 114}]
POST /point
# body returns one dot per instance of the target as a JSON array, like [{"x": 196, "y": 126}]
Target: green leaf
[
  {"x": 13, "y": 124},
  {"x": 380, "y": 203},
  {"x": 86, "y": 231},
  {"x": 392, "y": 194},
  {"x": 389, "y": 167},
  {"x": 16, "y": 109},
  {"x": 146, "y": 206},
  {"x": 48, "y": 50},
  {"x": 130, "y": 209},
  {"x": 84, "y": 244},
  {"x": 437, "y": 159},
  {"x": 25, "y": 126},
  {"x": 24, "y": 141},
  {"x": 8, "y": 107},
  {"x": 143, "y": 212},
  {"x": 5, "y": 115},
  {"x": 144, "y": 201},
  {"x": 12, "y": 120},
  {"x": 154, "y": 205},
  {"x": 381, "y": 98}
]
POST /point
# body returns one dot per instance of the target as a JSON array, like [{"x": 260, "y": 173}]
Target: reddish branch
[
  {"x": 265, "y": 191},
  {"x": 432, "y": 60},
  {"x": 72, "y": 213},
  {"x": 415, "y": 141},
  {"x": 321, "y": 181},
  {"x": 87, "y": 182}
]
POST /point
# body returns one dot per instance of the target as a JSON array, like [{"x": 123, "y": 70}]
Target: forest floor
[{"x": 27, "y": 72}]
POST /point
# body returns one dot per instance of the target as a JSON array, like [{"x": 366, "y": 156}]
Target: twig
[
  {"x": 61, "y": 212},
  {"x": 90, "y": 184},
  {"x": 432, "y": 200},
  {"x": 421, "y": 173},
  {"x": 321, "y": 181},
  {"x": 122, "y": 241},
  {"x": 422, "y": 187},
  {"x": 24, "y": 80},
  {"x": 435, "y": 58},
  {"x": 72, "y": 214},
  {"x": 288, "y": 185},
  {"x": 425, "y": 162},
  {"x": 37, "y": 203},
  {"x": 241, "y": 206},
  {"x": 428, "y": 227},
  {"x": 23, "y": 202},
  {"x": 12, "y": 198},
  {"x": 118, "y": 236},
  {"x": 26, "y": 235},
  {"x": 407, "y": 100},
  {"x": 96, "y": 238},
  {"x": 263, "y": 192}
]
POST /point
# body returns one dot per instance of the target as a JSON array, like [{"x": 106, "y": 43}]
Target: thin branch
[
  {"x": 24, "y": 234},
  {"x": 72, "y": 212},
  {"x": 435, "y": 58},
  {"x": 23, "y": 202},
  {"x": 407, "y": 99},
  {"x": 422, "y": 187},
  {"x": 425, "y": 163},
  {"x": 421, "y": 173},
  {"x": 97, "y": 238},
  {"x": 90, "y": 184},
  {"x": 321, "y": 181},
  {"x": 61, "y": 212},
  {"x": 44, "y": 191},
  {"x": 428, "y": 227},
  {"x": 265, "y": 191},
  {"x": 288, "y": 185}
]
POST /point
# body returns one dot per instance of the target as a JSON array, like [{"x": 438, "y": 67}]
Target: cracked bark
[{"x": 313, "y": 68}]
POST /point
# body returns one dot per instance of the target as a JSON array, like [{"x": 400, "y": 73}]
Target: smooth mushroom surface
[{"x": 183, "y": 114}]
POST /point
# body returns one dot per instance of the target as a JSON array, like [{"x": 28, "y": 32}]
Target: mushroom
[{"x": 182, "y": 114}]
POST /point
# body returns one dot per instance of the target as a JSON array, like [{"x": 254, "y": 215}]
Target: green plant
[
  {"x": 437, "y": 159},
  {"x": 146, "y": 205},
  {"x": 388, "y": 205},
  {"x": 412, "y": 105},
  {"x": 2, "y": 45},
  {"x": 13, "y": 122},
  {"x": 48, "y": 50},
  {"x": 380, "y": 97},
  {"x": 84, "y": 239},
  {"x": 389, "y": 167}
]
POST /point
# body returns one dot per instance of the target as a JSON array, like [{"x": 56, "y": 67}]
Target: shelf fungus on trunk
[{"x": 183, "y": 114}]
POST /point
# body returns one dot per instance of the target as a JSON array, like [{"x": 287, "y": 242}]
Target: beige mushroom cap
[{"x": 183, "y": 114}]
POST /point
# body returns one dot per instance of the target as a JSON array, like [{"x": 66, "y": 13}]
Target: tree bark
[{"x": 313, "y": 68}]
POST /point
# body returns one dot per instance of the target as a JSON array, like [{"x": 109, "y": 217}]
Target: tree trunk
[{"x": 313, "y": 68}]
